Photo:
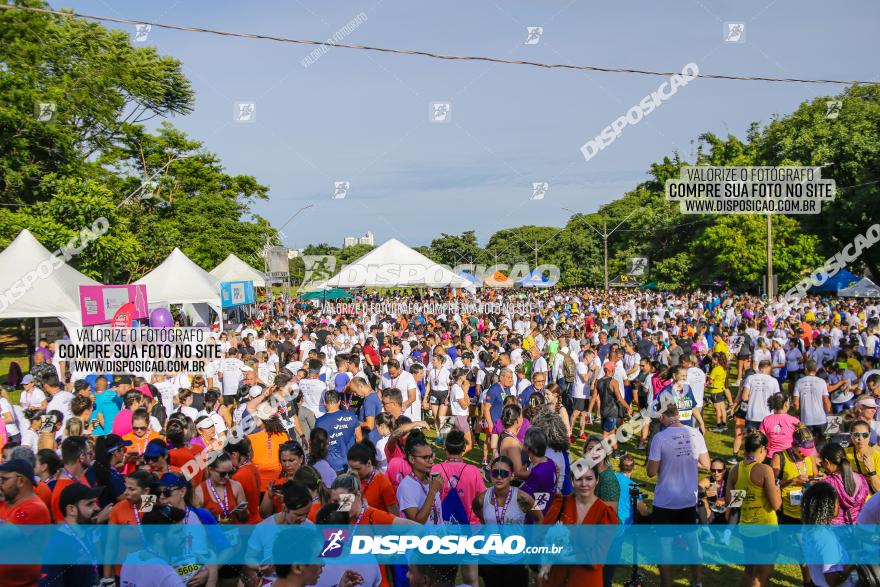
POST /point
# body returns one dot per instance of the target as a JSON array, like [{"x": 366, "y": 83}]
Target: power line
[{"x": 429, "y": 54}]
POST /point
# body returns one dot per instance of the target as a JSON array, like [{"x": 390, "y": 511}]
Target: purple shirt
[
  {"x": 498, "y": 428},
  {"x": 542, "y": 479}
]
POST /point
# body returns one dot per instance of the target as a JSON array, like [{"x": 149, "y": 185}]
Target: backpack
[
  {"x": 490, "y": 377},
  {"x": 451, "y": 507},
  {"x": 568, "y": 367}
]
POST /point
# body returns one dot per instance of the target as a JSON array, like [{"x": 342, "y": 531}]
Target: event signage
[
  {"x": 99, "y": 303},
  {"x": 236, "y": 293}
]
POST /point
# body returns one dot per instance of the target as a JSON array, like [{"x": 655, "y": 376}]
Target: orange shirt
[
  {"x": 43, "y": 492},
  {"x": 313, "y": 513},
  {"x": 178, "y": 457},
  {"x": 29, "y": 511},
  {"x": 266, "y": 459},
  {"x": 123, "y": 513},
  {"x": 139, "y": 445},
  {"x": 211, "y": 503},
  {"x": 375, "y": 517},
  {"x": 249, "y": 477},
  {"x": 378, "y": 492},
  {"x": 599, "y": 513},
  {"x": 63, "y": 481}
]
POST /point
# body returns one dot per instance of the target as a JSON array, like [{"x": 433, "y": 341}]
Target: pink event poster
[{"x": 98, "y": 303}]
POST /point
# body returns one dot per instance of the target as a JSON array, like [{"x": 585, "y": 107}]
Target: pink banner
[{"x": 99, "y": 303}]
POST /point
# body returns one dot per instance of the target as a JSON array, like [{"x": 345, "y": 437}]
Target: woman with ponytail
[{"x": 852, "y": 489}]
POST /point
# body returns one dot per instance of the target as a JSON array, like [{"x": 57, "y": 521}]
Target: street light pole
[
  {"x": 266, "y": 263},
  {"x": 604, "y": 234}
]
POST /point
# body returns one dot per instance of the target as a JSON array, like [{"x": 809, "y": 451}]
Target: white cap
[{"x": 255, "y": 391}]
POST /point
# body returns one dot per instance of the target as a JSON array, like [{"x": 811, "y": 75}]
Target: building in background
[{"x": 351, "y": 241}]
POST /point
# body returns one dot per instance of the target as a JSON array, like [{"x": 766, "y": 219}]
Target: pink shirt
[
  {"x": 498, "y": 428},
  {"x": 122, "y": 422},
  {"x": 397, "y": 470},
  {"x": 779, "y": 429},
  {"x": 467, "y": 480}
]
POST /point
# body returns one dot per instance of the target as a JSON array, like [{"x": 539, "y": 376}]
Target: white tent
[
  {"x": 393, "y": 264},
  {"x": 234, "y": 269},
  {"x": 53, "y": 290},
  {"x": 864, "y": 288},
  {"x": 177, "y": 280}
]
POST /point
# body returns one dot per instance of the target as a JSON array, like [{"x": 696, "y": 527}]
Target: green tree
[{"x": 99, "y": 85}]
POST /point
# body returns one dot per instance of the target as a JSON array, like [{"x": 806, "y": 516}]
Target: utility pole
[{"x": 604, "y": 234}]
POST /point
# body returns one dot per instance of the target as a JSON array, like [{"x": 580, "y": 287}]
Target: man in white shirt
[
  {"x": 60, "y": 398},
  {"x": 32, "y": 396},
  {"x": 757, "y": 389},
  {"x": 400, "y": 379},
  {"x": 539, "y": 363},
  {"x": 311, "y": 392},
  {"x": 696, "y": 378},
  {"x": 677, "y": 453},
  {"x": 231, "y": 373},
  {"x": 812, "y": 403}
]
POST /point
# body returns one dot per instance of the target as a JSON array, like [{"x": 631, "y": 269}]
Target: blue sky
[{"x": 364, "y": 117}]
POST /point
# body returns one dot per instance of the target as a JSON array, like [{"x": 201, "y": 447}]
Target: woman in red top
[
  {"x": 291, "y": 456},
  {"x": 248, "y": 475},
  {"x": 220, "y": 495},
  {"x": 308, "y": 476},
  {"x": 376, "y": 488},
  {"x": 583, "y": 507}
]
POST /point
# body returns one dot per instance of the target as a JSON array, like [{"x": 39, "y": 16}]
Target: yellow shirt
[
  {"x": 721, "y": 347},
  {"x": 793, "y": 494},
  {"x": 716, "y": 379},
  {"x": 858, "y": 467},
  {"x": 756, "y": 506},
  {"x": 854, "y": 366}
]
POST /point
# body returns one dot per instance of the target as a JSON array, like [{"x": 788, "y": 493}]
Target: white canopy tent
[
  {"x": 864, "y": 288},
  {"x": 234, "y": 269},
  {"x": 178, "y": 280},
  {"x": 393, "y": 264},
  {"x": 53, "y": 293}
]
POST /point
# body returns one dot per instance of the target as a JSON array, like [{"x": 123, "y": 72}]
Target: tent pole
[{"x": 36, "y": 333}]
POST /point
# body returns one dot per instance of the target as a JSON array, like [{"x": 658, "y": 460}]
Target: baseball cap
[
  {"x": 172, "y": 480},
  {"x": 27, "y": 379},
  {"x": 155, "y": 449},
  {"x": 255, "y": 391},
  {"x": 115, "y": 442},
  {"x": 609, "y": 367},
  {"x": 20, "y": 466},
  {"x": 145, "y": 389},
  {"x": 77, "y": 492}
]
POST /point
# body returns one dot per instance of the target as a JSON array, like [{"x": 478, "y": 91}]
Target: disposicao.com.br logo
[{"x": 477, "y": 545}]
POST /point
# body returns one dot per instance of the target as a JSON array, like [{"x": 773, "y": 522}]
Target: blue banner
[
  {"x": 236, "y": 293},
  {"x": 509, "y": 544}
]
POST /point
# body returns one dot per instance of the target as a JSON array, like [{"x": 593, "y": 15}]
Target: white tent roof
[
  {"x": 393, "y": 264},
  {"x": 180, "y": 281},
  {"x": 234, "y": 269},
  {"x": 54, "y": 292},
  {"x": 864, "y": 288}
]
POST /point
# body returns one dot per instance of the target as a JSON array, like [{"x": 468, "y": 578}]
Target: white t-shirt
[
  {"x": 232, "y": 375},
  {"x": 412, "y": 493},
  {"x": 696, "y": 379},
  {"x": 30, "y": 439},
  {"x": 811, "y": 390},
  {"x": 312, "y": 391},
  {"x": 761, "y": 387},
  {"x": 34, "y": 399},
  {"x": 61, "y": 402},
  {"x": 404, "y": 382},
  {"x": 6, "y": 408},
  {"x": 167, "y": 392},
  {"x": 457, "y": 394},
  {"x": 581, "y": 378},
  {"x": 678, "y": 450},
  {"x": 539, "y": 365},
  {"x": 380, "y": 453},
  {"x": 141, "y": 569},
  {"x": 332, "y": 574},
  {"x": 438, "y": 378}
]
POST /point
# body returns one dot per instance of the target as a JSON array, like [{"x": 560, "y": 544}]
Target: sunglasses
[
  {"x": 500, "y": 473},
  {"x": 808, "y": 444},
  {"x": 151, "y": 459},
  {"x": 860, "y": 434},
  {"x": 223, "y": 473},
  {"x": 138, "y": 427},
  {"x": 717, "y": 470},
  {"x": 428, "y": 457},
  {"x": 169, "y": 492}
]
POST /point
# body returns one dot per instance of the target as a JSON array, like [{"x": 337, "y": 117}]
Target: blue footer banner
[{"x": 397, "y": 544}]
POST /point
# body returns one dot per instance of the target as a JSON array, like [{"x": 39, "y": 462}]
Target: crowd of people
[{"x": 454, "y": 418}]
